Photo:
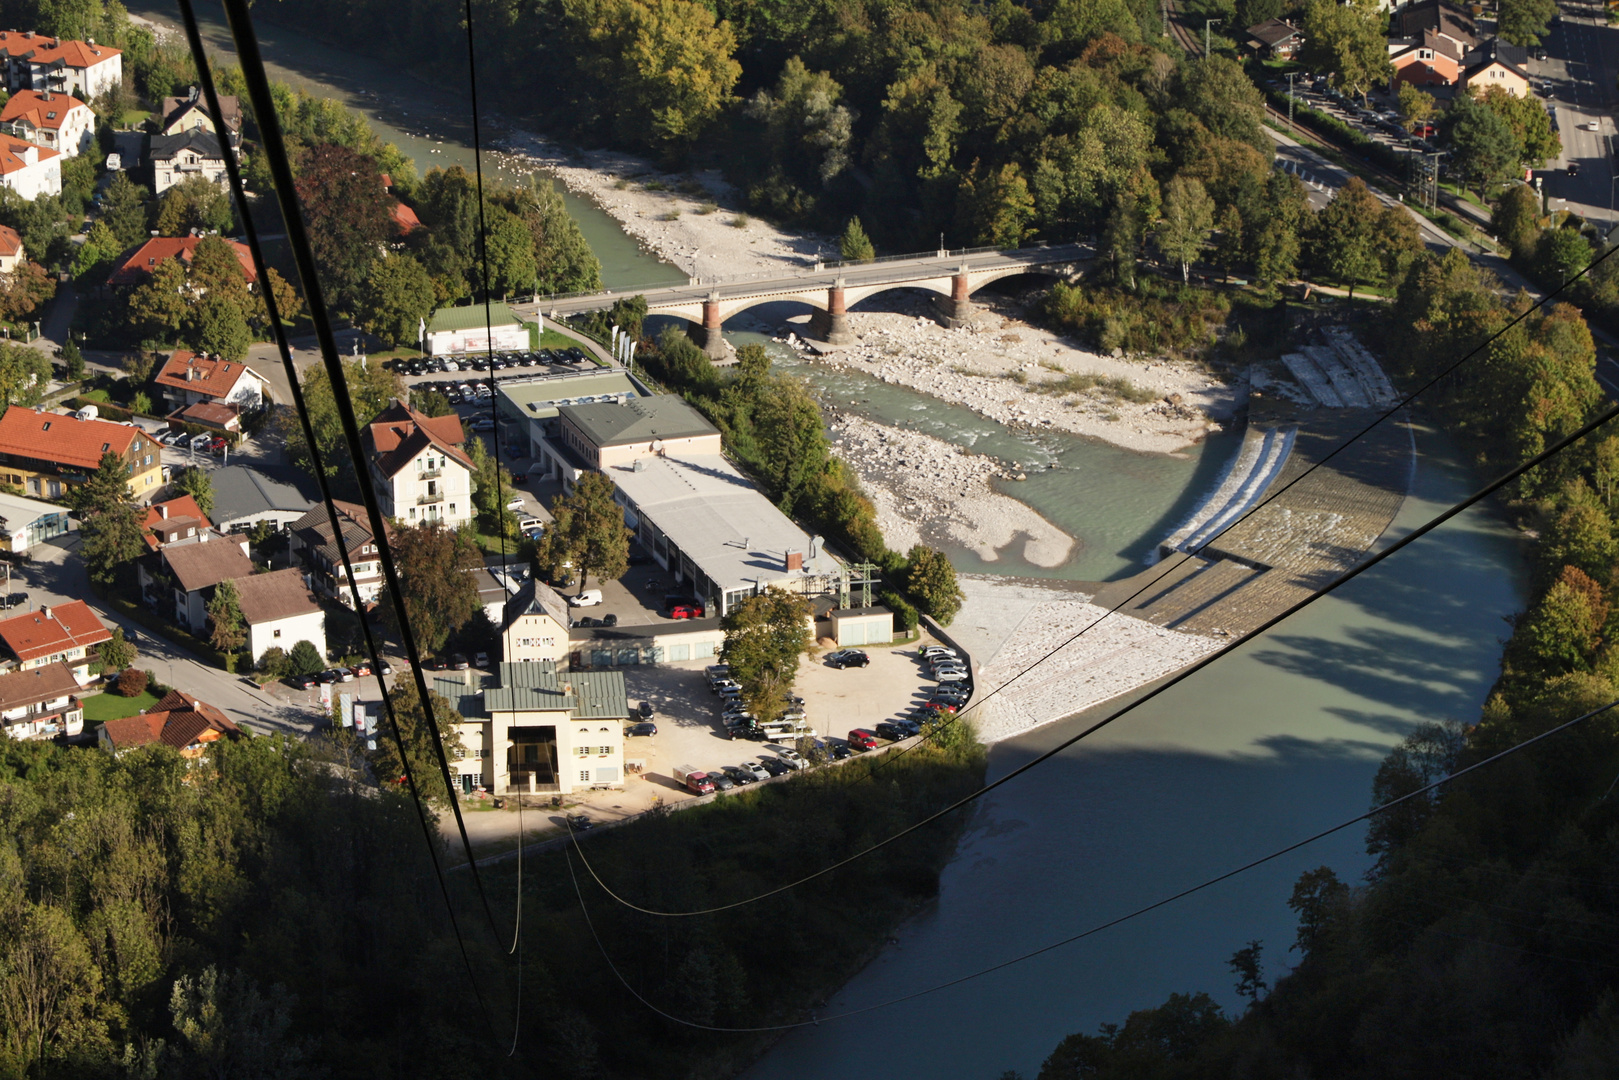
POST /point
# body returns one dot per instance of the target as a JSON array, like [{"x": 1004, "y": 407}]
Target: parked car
[
  {"x": 639, "y": 730},
  {"x": 328, "y": 677},
  {"x": 839, "y": 750},
  {"x": 739, "y": 776},
  {"x": 483, "y": 423},
  {"x": 586, "y": 622},
  {"x": 302, "y": 682},
  {"x": 459, "y": 661},
  {"x": 891, "y": 732},
  {"x": 953, "y": 677},
  {"x": 720, "y": 781},
  {"x": 693, "y": 780},
  {"x": 200, "y": 442},
  {"x": 717, "y": 673},
  {"x": 480, "y": 660},
  {"x": 930, "y": 651},
  {"x": 754, "y": 769},
  {"x": 580, "y": 822},
  {"x": 685, "y": 611},
  {"x": 609, "y": 619},
  {"x": 722, "y": 684},
  {"x": 362, "y": 669},
  {"x": 588, "y": 598},
  {"x": 793, "y": 759},
  {"x": 847, "y": 658},
  {"x": 861, "y": 739},
  {"x": 907, "y": 725},
  {"x": 775, "y": 766}
]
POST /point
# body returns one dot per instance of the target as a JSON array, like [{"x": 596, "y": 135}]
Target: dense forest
[{"x": 1484, "y": 941}]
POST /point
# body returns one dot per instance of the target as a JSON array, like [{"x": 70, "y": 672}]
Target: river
[{"x": 1261, "y": 749}]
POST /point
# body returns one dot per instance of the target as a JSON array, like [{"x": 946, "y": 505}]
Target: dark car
[
  {"x": 302, "y": 682},
  {"x": 459, "y": 661},
  {"x": 609, "y": 619},
  {"x": 739, "y": 777},
  {"x": 908, "y": 725},
  {"x": 642, "y": 729},
  {"x": 520, "y": 478},
  {"x": 891, "y": 732},
  {"x": 720, "y": 781},
  {"x": 585, "y": 622},
  {"x": 329, "y": 676},
  {"x": 775, "y": 766},
  {"x": 579, "y": 822},
  {"x": 645, "y": 710},
  {"x": 839, "y": 751},
  {"x": 847, "y": 658},
  {"x": 1574, "y": 168}
]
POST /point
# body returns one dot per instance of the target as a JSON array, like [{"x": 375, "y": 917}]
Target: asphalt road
[{"x": 1581, "y": 64}]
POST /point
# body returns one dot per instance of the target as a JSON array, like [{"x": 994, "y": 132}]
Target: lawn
[
  {"x": 551, "y": 339},
  {"x": 100, "y": 708}
]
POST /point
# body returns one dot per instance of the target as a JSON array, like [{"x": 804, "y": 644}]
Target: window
[
  {"x": 460, "y": 753},
  {"x": 148, "y": 459},
  {"x": 583, "y": 751},
  {"x": 584, "y": 776},
  {"x": 105, "y": 447},
  {"x": 47, "y": 426},
  {"x": 604, "y": 750}
]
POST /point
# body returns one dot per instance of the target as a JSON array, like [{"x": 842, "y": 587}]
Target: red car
[
  {"x": 863, "y": 739},
  {"x": 217, "y": 446},
  {"x": 685, "y": 611},
  {"x": 362, "y": 669}
]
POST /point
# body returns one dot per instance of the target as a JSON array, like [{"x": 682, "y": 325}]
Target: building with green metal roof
[{"x": 474, "y": 328}]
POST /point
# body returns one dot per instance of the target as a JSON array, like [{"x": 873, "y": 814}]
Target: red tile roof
[
  {"x": 52, "y": 629},
  {"x": 141, "y": 261},
  {"x": 399, "y": 433},
  {"x": 63, "y": 438},
  {"x": 201, "y": 374},
  {"x": 179, "y": 720},
  {"x": 39, "y": 110},
  {"x": 182, "y": 512},
  {"x": 42, "y": 49},
  {"x": 405, "y": 219},
  {"x": 17, "y": 154},
  {"x": 210, "y": 413},
  {"x": 10, "y": 241}
]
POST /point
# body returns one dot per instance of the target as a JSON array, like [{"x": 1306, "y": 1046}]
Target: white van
[{"x": 588, "y": 598}]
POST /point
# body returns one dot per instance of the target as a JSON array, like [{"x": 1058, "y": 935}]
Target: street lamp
[{"x": 1206, "y": 24}]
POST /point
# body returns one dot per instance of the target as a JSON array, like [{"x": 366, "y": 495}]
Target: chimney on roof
[
  {"x": 45, "y": 611},
  {"x": 163, "y": 511}
]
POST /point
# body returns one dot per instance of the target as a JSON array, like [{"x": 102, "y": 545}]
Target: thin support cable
[
  {"x": 273, "y": 313},
  {"x": 258, "y": 87},
  {"x": 1342, "y": 579},
  {"x": 1097, "y": 929}
]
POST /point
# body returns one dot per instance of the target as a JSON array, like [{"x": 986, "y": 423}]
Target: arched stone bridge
[{"x": 831, "y": 290}]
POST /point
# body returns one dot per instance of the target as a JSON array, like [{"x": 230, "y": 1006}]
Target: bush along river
[{"x": 1264, "y": 747}]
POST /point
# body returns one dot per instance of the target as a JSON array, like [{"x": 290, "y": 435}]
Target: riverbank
[{"x": 928, "y": 491}]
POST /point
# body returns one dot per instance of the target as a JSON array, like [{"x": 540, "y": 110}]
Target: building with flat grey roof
[
  {"x": 604, "y": 435},
  {"x": 534, "y": 401}
]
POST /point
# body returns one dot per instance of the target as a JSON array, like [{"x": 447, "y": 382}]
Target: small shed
[
  {"x": 455, "y": 331},
  {"x": 862, "y": 626}
]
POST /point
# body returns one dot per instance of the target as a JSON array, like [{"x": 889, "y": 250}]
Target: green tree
[
  {"x": 1416, "y": 105},
  {"x": 491, "y": 487},
  {"x": 25, "y": 374},
  {"x": 199, "y": 484},
  {"x": 226, "y": 630},
  {"x": 1563, "y": 631},
  {"x": 1483, "y": 148},
  {"x": 440, "y": 593},
  {"x": 563, "y": 261},
  {"x": 764, "y": 637},
  {"x": 511, "y": 253},
  {"x": 417, "y": 735},
  {"x": 159, "y": 305},
  {"x": 1529, "y": 122},
  {"x": 233, "y": 1029},
  {"x": 24, "y": 290},
  {"x": 123, "y": 211},
  {"x": 72, "y": 360},
  {"x": 109, "y": 520},
  {"x": 94, "y": 257},
  {"x": 589, "y": 529},
  {"x": 194, "y": 203},
  {"x": 1319, "y": 900},
  {"x": 1516, "y": 220},
  {"x": 51, "y": 986},
  {"x": 273, "y": 663},
  {"x": 371, "y": 388},
  {"x": 808, "y": 134},
  {"x": 116, "y": 653},
  {"x": 1559, "y": 255},
  {"x": 216, "y": 324},
  {"x": 854, "y": 244},
  {"x": 1347, "y": 243},
  {"x": 396, "y": 296},
  {"x": 1246, "y": 967},
  {"x": 994, "y": 207},
  {"x": 1525, "y": 22},
  {"x": 1348, "y": 41},
  {"x": 305, "y": 659},
  {"x": 1183, "y": 232},
  {"x": 348, "y": 212},
  {"x": 931, "y": 582},
  {"x": 790, "y": 434}
]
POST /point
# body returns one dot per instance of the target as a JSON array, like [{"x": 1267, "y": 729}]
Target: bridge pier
[
  {"x": 958, "y": 309},
  {"x": 832, "y": 325},
  {"x": 709, "y": 336}
]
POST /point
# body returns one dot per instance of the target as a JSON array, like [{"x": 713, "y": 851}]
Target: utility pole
[
  {"x": 1206, "y": 24},
  {"x": 1290, "y": 97}
]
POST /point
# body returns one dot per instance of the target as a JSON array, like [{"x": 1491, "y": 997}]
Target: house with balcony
[
  {"x": 55, "y": 121},
  {"x": 55, "y": 634},
  {"x": 421, "y": 472},
  {"x": 30, "y": 61},
  {"x": 189, "y": 378},
  {"x": 314, "y": 546},
  {"x": 539, "y": 731},
  {"x": 41, "y": 703},
  {"x": 47, "y": 453},
  {"x": 178, "y": 721},
  {"x": 177, "y": 158},
  {"x": 29, "y": 170},
  {"x": 179, "y": 115}
]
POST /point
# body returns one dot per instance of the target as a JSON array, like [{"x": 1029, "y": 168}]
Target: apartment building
[
  {"x": 47, "y": 453},
  {"x": 421, "y": 472}
]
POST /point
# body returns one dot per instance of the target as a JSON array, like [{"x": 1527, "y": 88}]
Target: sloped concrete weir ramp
[{"x": 1260, "y": 460}]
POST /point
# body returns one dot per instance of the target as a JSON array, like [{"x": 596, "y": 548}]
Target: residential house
[
  {"x": 1497, "y": 64},
  {"x": 41, "y": 703},
  {"x": 280, "y": 612},
  {"x": 421, "y": 472},
  {"x": 313, "y": 542},
  {"x": 26, "y": 522},
  {"x": 536, "y": 625},
  {"x": 30, "y": 61},
  {"x": 176, "y": 158},
  {"x": 173, "y": 520},
  {"x": 56, "y": 633},
  {"x": 29, "y": 170},
  {"x": 12, "y": 253},
  {"x": 190, "y": 113},
  {"x": 189, "y": 378},
  {"x": 55, "y": 121},
  {"x": 1440, "y": 17},
  {"x": 224, "y": 419},
  {"x": 1274, "y": 39},
  {"x": 244, "y": 497},
  {"x": 455, "y": 330},
  {"x": 540, "y": 730},
  {"x": 404, "y": 218},
  {"x": 179, "y": 721},
  {"x": 181, "y": 576},
  {"x": 47, "y": 453},
  {"x": 134, "y": 268},
  {"x": 1430, "y": 60}
]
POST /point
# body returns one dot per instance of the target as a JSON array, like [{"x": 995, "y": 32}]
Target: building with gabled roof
[
  {"x": 54, "y": 121},
  {"x": 1439, "y": 16},
  {"x": 538, "y": 730},
  {"x": 56, "y": 633},
  {"x": 136, "y": 266},
  {"x": 1275, "y": 39},
  {"x": 29, "y": 170},
  {"x": 180, "y": 576},
  {"x": 30, "y": 61},
  {"x": 243, "y": 497},
  {"x": 12, "y": 252},
  {"x": 475, "y": 328},
  {"x": 1499, "y": 65},
  {"x": 188, "y": 378},
  {"x": 173, "y": 520},
  {"x": 313, "y": 542},
  {"x": 421, "y": 472},
  {"x": 535, "y": 626},
  {"x": 41, "y": 703},
  {"x": 177, "y": 158},
  {"x": 190, "y": 113},
  {"x": 178, "y": 721},
  {"x": 46, "y": 453},
  {"x": 1431, "y": 59},
  {"x": 280, "y": 611}
]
